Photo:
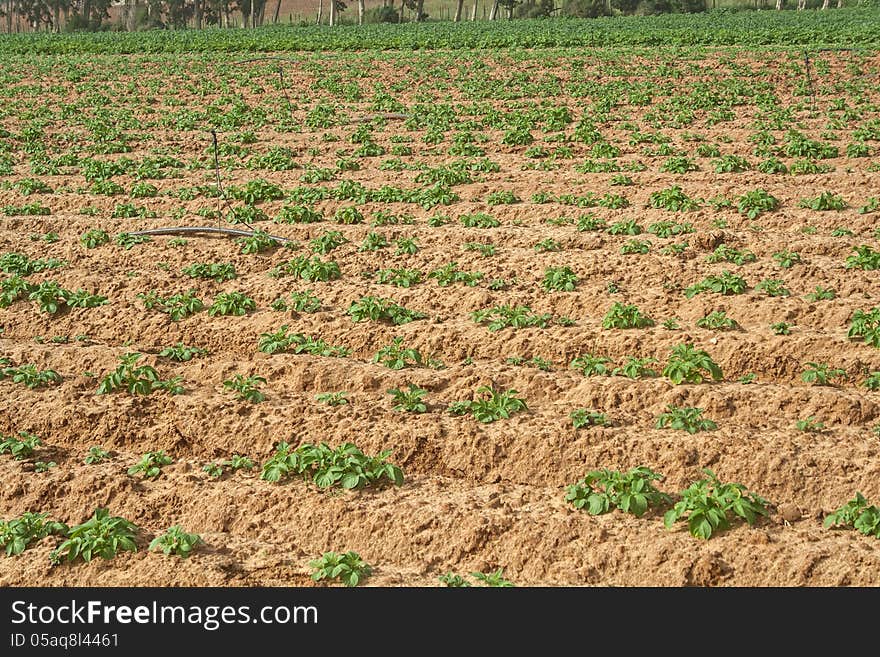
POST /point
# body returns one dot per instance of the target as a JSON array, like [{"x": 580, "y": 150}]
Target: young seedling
[
  {"x": 622, "y": 316},
  {"x": 454, "y": 581},
  {"x": 396, "y": 357},
  {"x": 590, "y": 365},
  {"x": 494, "y": 579},
  {"x": 582, "y": 417},
  {"x": 492, "y": 406},
  {"x": 151, "y": 464},
  {"x": 684, "y": 419},
  {"x": 348, "y": 568},
  {"x": 707, "y": 503},
  {"x": 176, "y": 541},
  {"x": 821, "y": 374},
  {"x": 182, "y": 353},
  {"x": 866, "y": 325},
  {"x": 17, "y": 534},
  {"x": 631, "y": 492},
  {"x": 810, "y": 425},
  {"x": 246, "y": 388},
  {"x": 559, "y": 279},
  {"x": 102, "y": 536},
  {"x": 19, "y": 448},
  {"x": 96, "y": 455},
  {"x": 690, "y": 365},
  {"x": 346, "y": 466},
  {"x": 858, "y": 514},
  {"x": 332, "y": 398},
  {"x": 410, "y": 400}
]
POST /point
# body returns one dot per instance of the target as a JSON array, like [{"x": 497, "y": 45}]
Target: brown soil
[{"x": 476, "y": 496}]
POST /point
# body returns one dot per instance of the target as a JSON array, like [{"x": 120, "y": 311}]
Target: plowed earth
[{"x": 476, "y": 496}]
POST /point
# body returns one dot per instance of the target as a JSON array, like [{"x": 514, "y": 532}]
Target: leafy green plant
[
  {"x": 332, "y": 398},
  {"x": 787, "y": 259},
  {"x": 94, "y": 238},
  {"x": 96, "y": 455},
  {"x": 378, "y": 309},
  {"x": 17, "y": 534},
  {"x": 622, "y": 316},
  {"x": 176, "y": 541},
  {"x": 707, "y": 505},
  {"x": 140, "y": 380},
  {"x": 396, "y": 357},
  {"x": 636, "y": 368},
  {"x": 182, "y": 353},
  {"x": 821, "y": 294},
  {"x": 755, "y": 203},
  {"x": 687, "y": 364},
  {"x": 151, "y": 464},
  {"x": 821, "y": 374},
  {"x": 246, "y": 388},
  {"x": 773, "y": 287},
  {"x": 810, "y": 425},
  {"x": 582, "y": 417},
  {"x": 494, "y": 579},
  {"x": 410, "y": 400},
  {"x": 559, "y": 279},
  {"x": 724, "y": 253},
  {"x": 215, "y": 271},
  {"x": 499, "y": 317},
  {"x": 128, "y": 240},
  {"x": 717, "y": 321},
  {"x": 454, "y": 581},
  {"x": 590, "y": 365},
  {"x": 685, "y": 419},
  {"x": 232, "y": 303},
  {"x": 259, "y": 242},
  {"x": 865, "y": 324},
  {"x": 490, "y": 405},
  {"x": 346, "y": 466},
  {"x": 781, "y": 328},
  {"x": 631, "y": 492},
  {"x": 102, "y": 536},
  {"x": 726, "y": 284},
  {"x": 865, "y": 258},
  {"x": 672, "y": 199},
  {"x": 400, "y": 277},
  {"x": 19, "y": 448},
  {"x": 858, "y": 514},
  {"x": 872, "y": 381},
  {"x": 824, "y": 202},
  {"x": 177, "y": 306},
  {"x": 348, "y": 568},
  {"x": 30, "y": 376}
]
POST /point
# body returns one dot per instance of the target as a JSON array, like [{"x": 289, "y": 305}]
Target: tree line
[{"x": 93, "y": 15}]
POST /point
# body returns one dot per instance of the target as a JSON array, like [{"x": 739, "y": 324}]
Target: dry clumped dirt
[{"x": 477, "y": 496}]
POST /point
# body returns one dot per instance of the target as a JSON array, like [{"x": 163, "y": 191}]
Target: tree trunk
[
  {"x": 778, "y": 5},
  {"x": 277, "y": 12},
  {"x": 402, "y": 7},
  {"x": 332, "y": 13},
  {"x": 840, "y": 4},
  {"x": 56, "y": 17},
  {"x": 198, "y": 13},
  {"x": 458, "y": 7},
  {"x": 494, "y": 12},
  {"x": 361, "y": 10},
  {"x": 474, "y": 11},
  {"x": 825, "y": 4},
  {"x": 320, "y": 12},
  {"x": 420, "y": 6}
]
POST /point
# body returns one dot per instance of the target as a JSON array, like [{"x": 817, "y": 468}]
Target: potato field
[{"x": 542, "y": 316}]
